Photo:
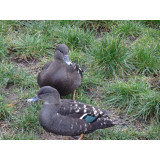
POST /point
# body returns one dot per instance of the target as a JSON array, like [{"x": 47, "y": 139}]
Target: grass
[
  {"x": 75, "y": 37},
  {"x": 127, "y": 28},
  {"x": 135, "y": 97},
  {"x": 145, "y": 59},
  {"x": 10, "y": 74},
  {"x": 110, "y": 53},
  {"x": 120, "y": 58},
  {"x": 6, "y": 111}
]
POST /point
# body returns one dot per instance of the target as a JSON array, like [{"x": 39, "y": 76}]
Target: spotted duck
[{"x": 68, "y": 117}]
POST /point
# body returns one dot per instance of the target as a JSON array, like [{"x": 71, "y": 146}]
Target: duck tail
[{"x": 116, "y": 120}]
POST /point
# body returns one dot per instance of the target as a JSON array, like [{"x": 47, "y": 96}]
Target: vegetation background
[{"x": 121, "y": 59}]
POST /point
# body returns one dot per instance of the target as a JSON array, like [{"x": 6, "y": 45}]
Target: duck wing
[
  {"x": 80, "y": 110},
  {"x": 46, "y": 65}
]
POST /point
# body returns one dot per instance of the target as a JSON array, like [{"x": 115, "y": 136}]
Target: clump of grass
[
  {"x": 29, "y": 119},
  {"x": 75, "y": 38},
  {"x": 27, "y": 46},
  {"x": 127, "y": 28},
  {"x": 31, "y": 39},
  {"x": 13, "y": 134},
  {"x": 110, "y": 53},
  {"x": 7, "y": 25},
  {"x": 145, "y": 132},
  {"x": 134, "y": 97},
  {"x": 18, "y": 136},
  {"x": 97, "y": 26},
  {"x": 13, "y": 75},
  {"x": 151, "y": 33},
  {"x": 151, "y": 23},
  {"x": 2, "y": 48},
  {"x": 115, "y": 134},
  {"x": 145, "y": 56},
  {"x": 6, "y": 111}
]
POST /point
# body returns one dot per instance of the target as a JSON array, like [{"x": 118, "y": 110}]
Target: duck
[
  {"x": 61, "y": 73},
  {"x": 68, "y": 117}
]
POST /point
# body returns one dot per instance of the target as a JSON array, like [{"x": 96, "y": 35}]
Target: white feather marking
[
  {"x": 95, "y": 112},
  {"x": 77, "y": 111},
  {"x": 83, "y": 116},
  {"x": 85, "y": 110},
  {"x": 72, "y": 126},
  {"x": 106, "y": 119},
  {"x": 44, "y": 102},
  {"x": 76, "y": 105}
]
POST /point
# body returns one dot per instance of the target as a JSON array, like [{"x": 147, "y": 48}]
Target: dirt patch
[
  {"x": 3, "y": 128},
  {"x": 94, "y": 93},
  {"x": 51, "y": 136},
  {"x": 155, "y": 82},
  {"x": 25, "y": 62},
  {"x": 33, "y": 66},
  {"x": 99, "y": 29},
  {"x": 9, "y": 95},
  {"x": 12, "y": 99},
  {"x": 131, "y": 39}
]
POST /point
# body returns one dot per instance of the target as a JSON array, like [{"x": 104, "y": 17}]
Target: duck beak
[
  {"x": 67, "y": 61},
  {"x": 34, "y": 99}
]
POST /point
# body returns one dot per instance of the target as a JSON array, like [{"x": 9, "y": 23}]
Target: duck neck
[{"x": 52, "y": 102}]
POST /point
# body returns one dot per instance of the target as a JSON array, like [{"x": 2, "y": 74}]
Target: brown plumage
[
  {"x": 68, "y": 117},
  {"x": 61, "y": 73}
]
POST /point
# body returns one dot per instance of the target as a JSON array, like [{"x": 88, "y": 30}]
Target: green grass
[
  {"x": 120, "y": 58},
  {"x": 28, "y": 120},
  {"x": 128, "y": 28},
  {"x": 135, "y": 97},
  {"x": 10, "y": 74},
  {"x": 6, "y": 111},
  {"x": 75, "y": 38},
  {"x": 145, "y": 133},
  {"x": 110, "y": 53},
  {"x": 145, "y": 55}
]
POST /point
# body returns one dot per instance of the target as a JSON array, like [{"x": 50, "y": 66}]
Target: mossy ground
[{"x": 122, "y": 70}]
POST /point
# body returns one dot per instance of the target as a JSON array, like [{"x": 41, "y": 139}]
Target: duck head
[
  {"x": 61, "y": 53},
  {"x": 49, "y": 95}
]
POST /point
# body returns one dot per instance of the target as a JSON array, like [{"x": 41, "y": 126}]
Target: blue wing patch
[{"x": 89, "y": 118}]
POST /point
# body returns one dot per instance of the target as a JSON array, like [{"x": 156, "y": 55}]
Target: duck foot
[
  {"x": 81, "y": 136},
  {"x": 74, "y": 93}
]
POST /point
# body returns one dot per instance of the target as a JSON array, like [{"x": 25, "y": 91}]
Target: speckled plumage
[
  {"x": 66, "y": 117},
  {"x": 60, "y": 75}
]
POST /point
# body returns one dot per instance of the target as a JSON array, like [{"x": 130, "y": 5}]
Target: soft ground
[{"x": 122, "y": 73}]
